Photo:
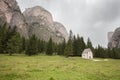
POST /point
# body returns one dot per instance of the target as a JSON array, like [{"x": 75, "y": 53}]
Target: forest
[{"x": 11, "y": 42}]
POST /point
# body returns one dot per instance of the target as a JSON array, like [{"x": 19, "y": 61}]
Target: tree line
[{"x": 12, "y": 42}]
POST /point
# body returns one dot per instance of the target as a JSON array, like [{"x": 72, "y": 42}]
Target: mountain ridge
[{"x": 33, "y": 21}]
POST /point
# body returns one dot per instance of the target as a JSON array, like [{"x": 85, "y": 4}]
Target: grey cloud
[{"x": 105, "y": 10}]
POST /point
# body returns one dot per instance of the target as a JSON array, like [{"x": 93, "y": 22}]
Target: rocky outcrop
[
  {"x": 42, "y": 25},
  {"x": 61, "y": 30},
  {"x": 114, "y": 39},
  {"x": 110, "y": 40},
  {"x": 11, "y": 14}
]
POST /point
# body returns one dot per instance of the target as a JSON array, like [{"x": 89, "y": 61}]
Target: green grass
[{"x": 21, "y": 67}]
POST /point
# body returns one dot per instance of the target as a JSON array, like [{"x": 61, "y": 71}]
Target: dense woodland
[{"x": 11, "y": 42}]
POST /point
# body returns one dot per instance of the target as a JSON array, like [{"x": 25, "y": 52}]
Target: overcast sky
[{"x": 88, "y": 18}]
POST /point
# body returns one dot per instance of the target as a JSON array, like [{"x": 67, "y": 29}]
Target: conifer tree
[
  {"x": 116, "y": 53},
  {"x": 69, "y": 46},
  {"x": 71, "y": 35},
  {"x": 41, "y": 46},
  {"x": 23, "y": 44},
  {"x": 31, "y": 48},
  {"x": 78, "y": 45},
  {"x": 81, "y": 44},
  {"x": 59, "y": 51},
  {"x": 101, "y": 52},
  {"x": 97, "y": 51},
  {"x": 89, "y": 45},
  {"x": 54, "y": 46},
  {"x": 61, "y": 48},
  {"x": 49, "y": 48},
  {"x": 3, "y": 35},
  {"x": 14, "y": 45},
  {"x": 75, "y": 46}
]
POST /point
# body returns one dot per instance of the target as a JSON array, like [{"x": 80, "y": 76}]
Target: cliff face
[
  {"x": 61, "y": 30},
  {"x": 34, "y": 21},
  {"x": 42, "y": 25},
  {"x": 110, "y": 40},
  {"x": 114, "y": 39},
  {"x": 10, "y": 13}
]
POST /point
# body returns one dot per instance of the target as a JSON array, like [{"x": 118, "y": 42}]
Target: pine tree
[
  {"x": 75, "y": 46},
  {"x": 61, "y": 48},
  {"x": 89, "y": 45},
  {"x": 6, "y": 35},
  {"x": 23, "y": 44},
  {"x": 14, "y": 45},
  {"x": 31, "y": 48},
  {"x": 81, "y": 45},
  {"x": 78, "y": 45},
  {"x": 71, "y": 35},
  {"x": 49, "y": 48},
  {"x": 101, "y": 52},
  {"x": 39, "y": 46},
  {"x": 97, "y": 52},
  {"x": 3, "y": 35},
  {"x": 54, "y": 46},
  {"x": 109, "y": 53},
  {"x": 116, "y": 53},
  {"x": 69, "y": 46},
  {"x": 59, "y": 51},
  {"x": 43, "y": 46}
]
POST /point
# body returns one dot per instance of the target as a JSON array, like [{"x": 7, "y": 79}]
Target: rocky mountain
[
  {"x": 110, "y": 40},
  {"x": 114, "y": 39},
  {"x": 42, "y": 25},
  {"x": 11, "y": 14},
  {"x": 36, "y": 20},
  {"x": 61, "y": 30}
]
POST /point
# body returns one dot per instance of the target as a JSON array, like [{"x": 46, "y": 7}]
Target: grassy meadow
[{"x": 42, "y": 67}]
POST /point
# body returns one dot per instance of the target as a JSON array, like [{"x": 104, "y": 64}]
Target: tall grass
[{"x": 42, "y": 67}]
